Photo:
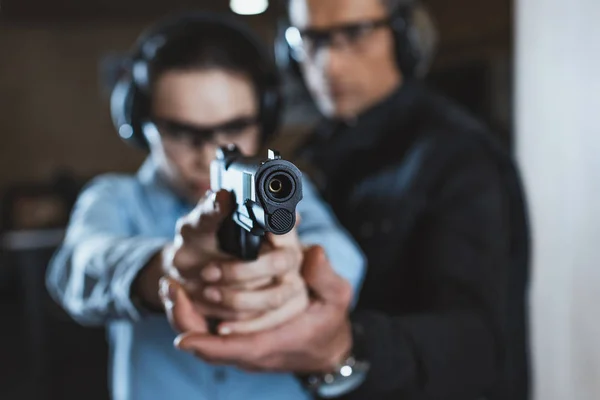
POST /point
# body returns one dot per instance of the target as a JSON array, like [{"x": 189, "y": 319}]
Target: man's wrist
[
  {"x": 342, "y": 348},
  {"x": 349, "y": 368}
]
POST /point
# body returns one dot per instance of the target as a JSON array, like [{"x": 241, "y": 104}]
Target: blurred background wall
[{"x": 54, "y": 116}]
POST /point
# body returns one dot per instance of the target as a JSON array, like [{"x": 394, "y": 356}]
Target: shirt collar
[
  {"x": 148, "y": 173},
  {"x": 150, "y": 177}
]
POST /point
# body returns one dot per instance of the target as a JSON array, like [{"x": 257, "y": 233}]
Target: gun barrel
[
  {"x": 280, "y": 186},
  {"x": 266, "y": 191}
]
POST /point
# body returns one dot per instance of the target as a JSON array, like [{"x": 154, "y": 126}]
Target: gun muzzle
[{"x": 266, "y": 191}]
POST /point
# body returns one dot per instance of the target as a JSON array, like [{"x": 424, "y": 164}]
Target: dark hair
[
  {"x": 207, "y": 47},
  {"x": 393, "y": 5},
  {"x": 390, "y": 5}
]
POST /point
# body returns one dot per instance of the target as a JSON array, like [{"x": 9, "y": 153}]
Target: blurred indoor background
[{"x": 57, "y": 60}]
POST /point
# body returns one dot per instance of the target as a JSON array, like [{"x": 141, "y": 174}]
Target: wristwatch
[{"x": 347, "y": 375}]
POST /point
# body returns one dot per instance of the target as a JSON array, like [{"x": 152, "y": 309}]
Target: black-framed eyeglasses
[
  {"x": 198, "y": 136},
  {"x": 308, "y": 42}
]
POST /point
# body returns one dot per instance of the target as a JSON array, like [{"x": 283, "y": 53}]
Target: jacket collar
[{"x": 388, "y": 117}]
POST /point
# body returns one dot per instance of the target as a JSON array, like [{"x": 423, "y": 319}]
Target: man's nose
[
  {"x": 334, "y": 61},
  {"x": 336, "y": 53}
]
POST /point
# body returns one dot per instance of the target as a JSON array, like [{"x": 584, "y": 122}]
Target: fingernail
[
  {"x": 178, "y": 345},
  {"x": 177, "y": 342},
  {"x": 168, "y": 292},
  {"x": 225, "y": 331},
  {"x": 212, "y": 294},
  {"x": 211, "y": 273}
]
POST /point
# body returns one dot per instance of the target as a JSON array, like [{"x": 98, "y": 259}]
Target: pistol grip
[{"x": 238, "y": 242}]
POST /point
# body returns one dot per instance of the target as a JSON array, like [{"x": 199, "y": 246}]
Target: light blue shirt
[{"x": 119, "y": 222}]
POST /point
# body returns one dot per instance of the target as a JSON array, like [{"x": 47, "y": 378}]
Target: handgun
[{"x": 266, "y": 192}]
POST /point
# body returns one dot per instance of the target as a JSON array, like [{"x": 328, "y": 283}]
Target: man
[
  {"x": 435, "y": 204},
  {"x": 198, "y": 82}
]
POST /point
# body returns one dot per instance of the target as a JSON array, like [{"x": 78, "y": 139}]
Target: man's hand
[{"x": 315, "y": 341}]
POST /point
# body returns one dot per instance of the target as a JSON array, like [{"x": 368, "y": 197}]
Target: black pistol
[{"x": 266, "y": 192}]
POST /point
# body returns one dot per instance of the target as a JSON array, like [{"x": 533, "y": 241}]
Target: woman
[{"x": 197, "y": 82}]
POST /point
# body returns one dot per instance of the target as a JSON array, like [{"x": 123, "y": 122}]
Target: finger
[
  {"x": 195, "y": 287},
  {"x": 210, "y": 211},
  {"x": 251, "y": 368},
  {"x": 180, "y": 310},
  {"x": 190, "y": 259},
  {"x": 269, "y": 264},
  {"x": 224, "y": 202},
  {"x": 256, "y": 284},
  {"x": 185, "y": 315},
  {"x": 290, "y": 239},
  {"x": 196, "y": 240},
  {"x": 212, "y": 274},
  {"x": 223, "y": 314},
  {"x": 269, "y": 298},
  {"x": 320, "y": 277},
  {"x": 187, "y": 224},
  {"x": 219, "y": 349},
  {"x": 195, "y": 291},
  {"x": 268, "y": 320}
]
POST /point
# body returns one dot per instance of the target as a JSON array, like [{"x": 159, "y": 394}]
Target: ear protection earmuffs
[
  {"x": 130, "y": 99},
  {"x": 407, "y": 48}
]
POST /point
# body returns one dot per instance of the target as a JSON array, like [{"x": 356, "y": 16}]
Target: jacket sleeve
[
  {"x": 452, "y": 347},
  {"x": 90, "y": 276},
  {"x": 318, "y": 226}
]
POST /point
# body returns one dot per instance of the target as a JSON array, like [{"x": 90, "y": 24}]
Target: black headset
[
  {"x": 130, "y": 99},
  {"x": 408, "y": 53}
]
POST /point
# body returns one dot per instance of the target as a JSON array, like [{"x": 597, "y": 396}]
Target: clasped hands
[
  {"x": 202, "y": 282},
  {"x": 286, "y": 311}
]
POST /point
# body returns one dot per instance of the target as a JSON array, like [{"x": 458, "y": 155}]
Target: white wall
[{"x": 558, "y": 142}]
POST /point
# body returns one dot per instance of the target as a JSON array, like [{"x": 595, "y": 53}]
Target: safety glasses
[
  {"x": 197, "y": 136},
  {"x": 307, "y": 43}
]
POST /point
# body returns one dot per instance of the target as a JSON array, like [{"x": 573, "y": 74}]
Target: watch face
[{"x": 350, "y": 375}]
